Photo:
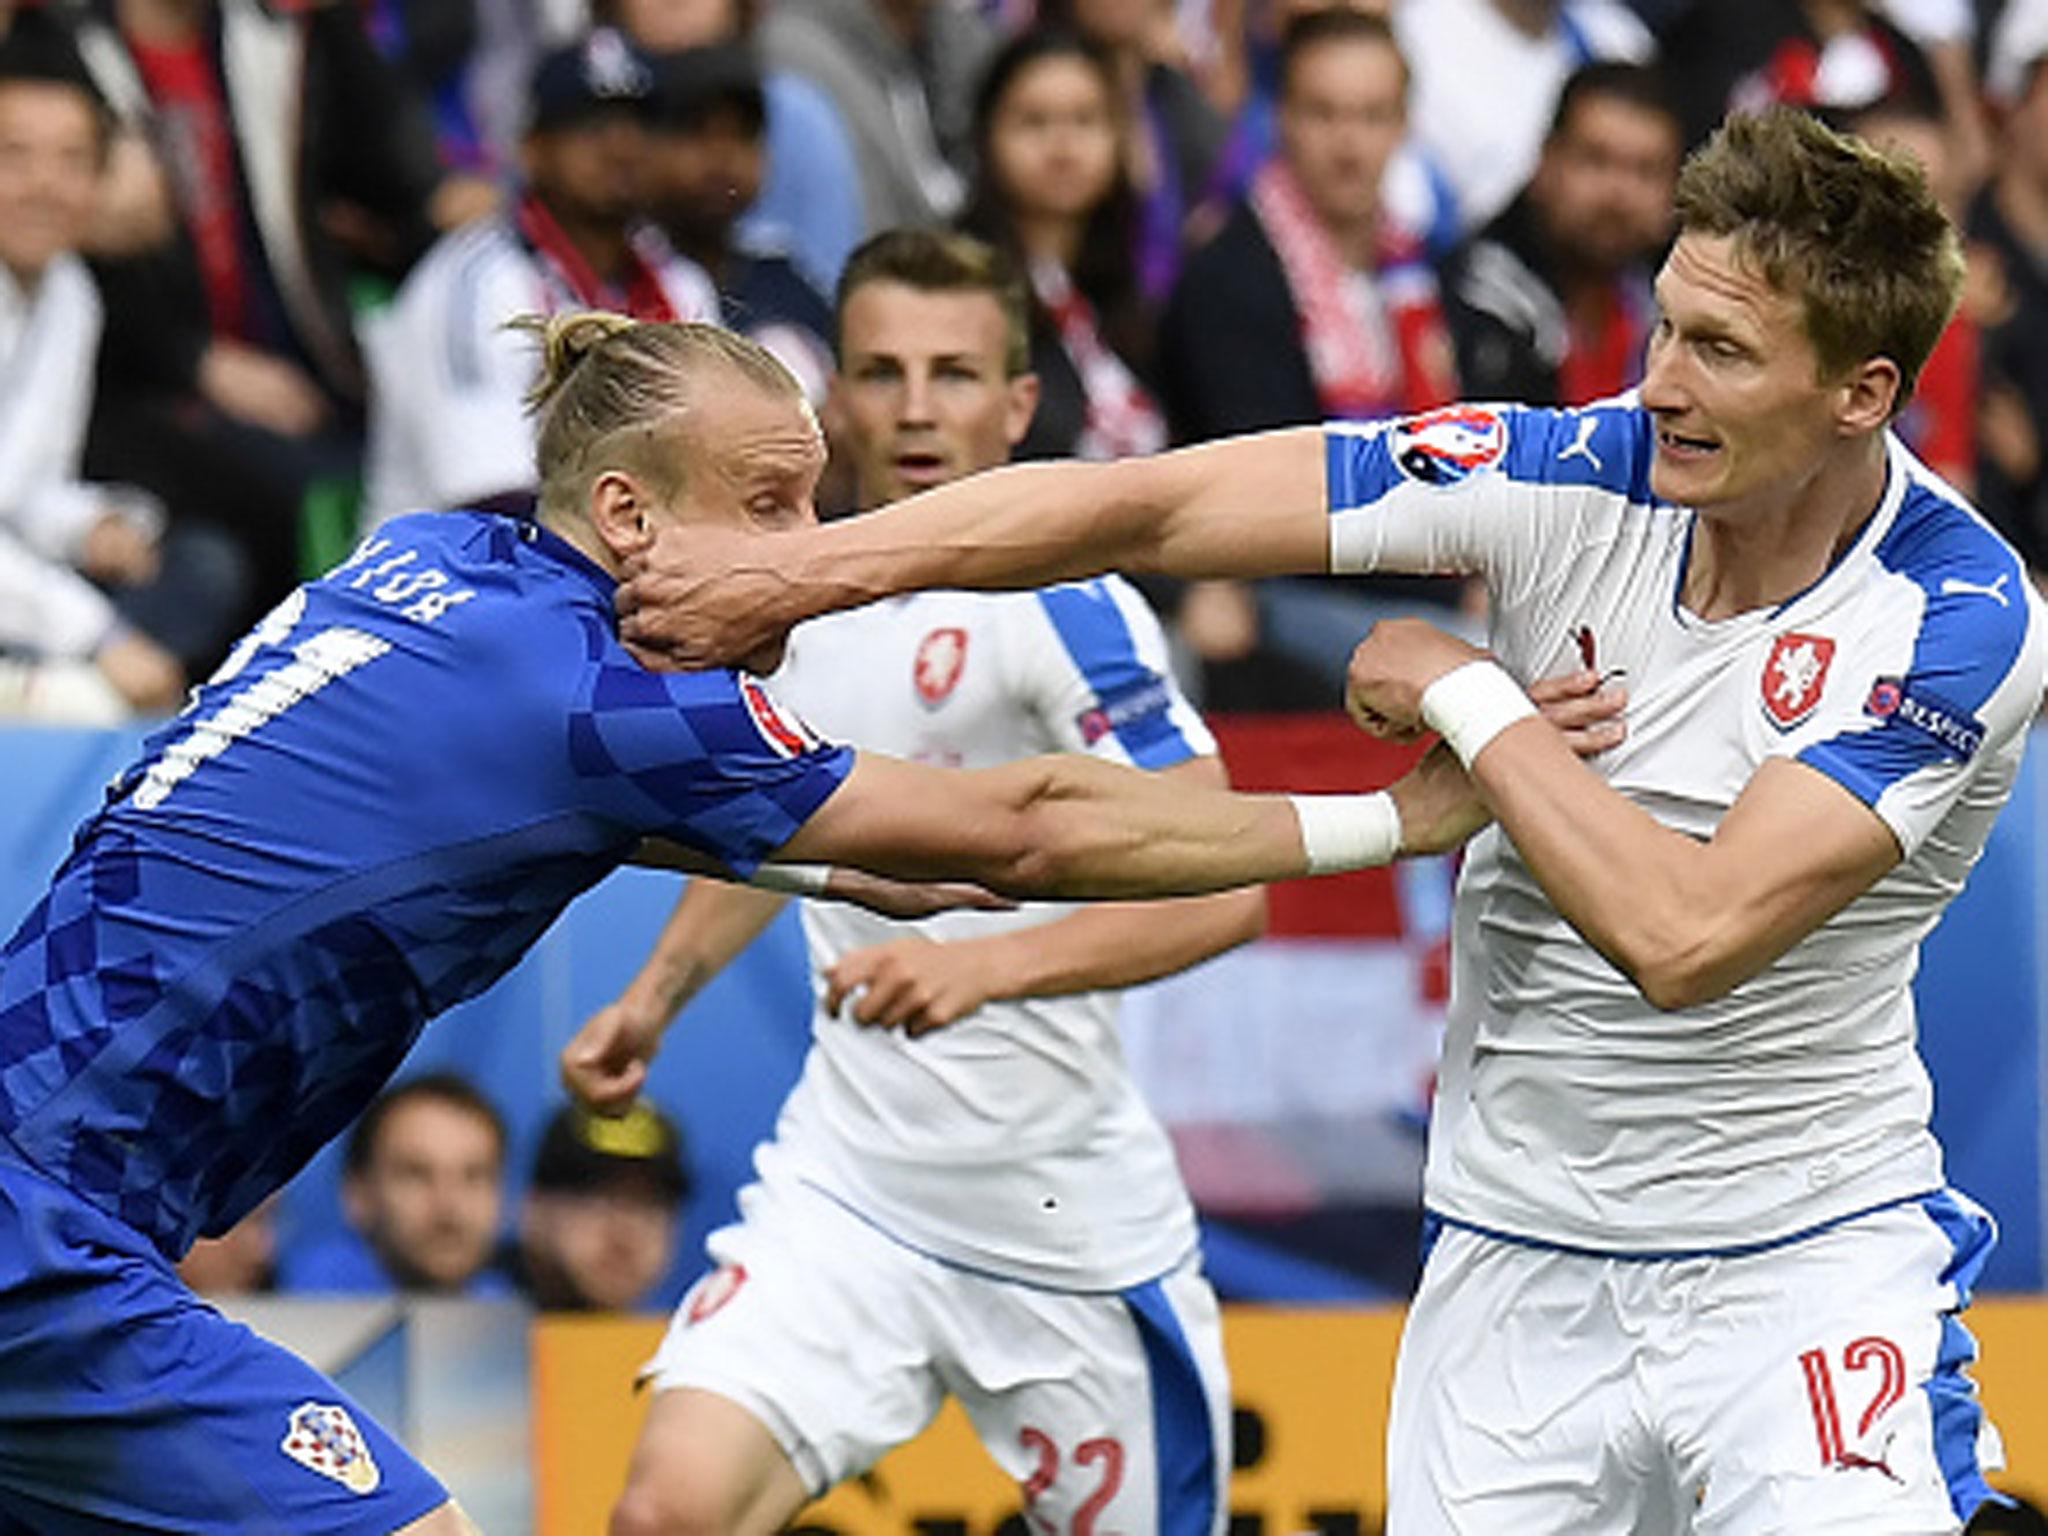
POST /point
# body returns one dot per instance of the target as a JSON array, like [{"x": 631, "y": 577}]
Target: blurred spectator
[
  {"x": 1551, "y": 303},
  {"x": 1487, "y": 75},
  {"x": 448, "y": 415},
  {"x": 810, "y": 204},
  {"x": 1173, "y": 136},
  {"x": 230, "y": 381},
  {"x": 1838, "y": 56},
  {"x": 240, "y": 1262},
  {"x": 2009, "y": 290},
  {"x": 434, "y": 43},
  {"x": 423, "y": 1191},
  {"x": 603, "y": 1212},
  {"x": 1414, "y": 193},
  {"x": 901, "y": 73},
  {"x": 707, "y": 164},
  {"x": 1308, "y": 306},
  {"x": 1939, "y": 423},
  {"x": 1051, "y": 193},
  {"x": 79, "y": 655},
  {"x": 2018, "y": 42}
]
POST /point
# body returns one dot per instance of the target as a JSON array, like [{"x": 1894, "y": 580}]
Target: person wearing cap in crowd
[
  {"x": 709, "y": 157},
  {"x": 448, "y": 425},
  {"x": 599, "y": 1225}
]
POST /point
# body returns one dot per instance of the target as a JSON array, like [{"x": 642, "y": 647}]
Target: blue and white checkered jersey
[
  {"x": 1013, "y": 1142},
  {"x": 1569, "y": 1110},
  {"x": 384, "y": 796}
]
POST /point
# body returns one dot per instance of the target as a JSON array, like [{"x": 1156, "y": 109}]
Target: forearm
[
  {"x": 1249, "y": 507},
  {"x": 1629, "y": 885},
  {"x": 1119, "y": 944},
  {"x": 1092, "y": 830},
  {"x": 1686, "y": 920},
  {"x": 709, "y": 927}
]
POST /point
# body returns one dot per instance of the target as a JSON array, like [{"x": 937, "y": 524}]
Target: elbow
[
  {"x": 1669, "y": 989},
  {"x": 1681, "y": 972}
]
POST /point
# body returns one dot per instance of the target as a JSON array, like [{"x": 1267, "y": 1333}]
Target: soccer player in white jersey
[
  {"x": 989, "y": 1211},
  {"x": 1697, "y": 1267}
]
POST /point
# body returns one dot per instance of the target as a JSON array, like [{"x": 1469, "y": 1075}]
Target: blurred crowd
[
  {"x": 257, "y": 256},
  {"x": 429, "y": 1208}
]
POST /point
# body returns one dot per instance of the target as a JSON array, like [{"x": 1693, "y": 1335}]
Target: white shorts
[
  {"x": 1812, "y": 1387},
  {"x": 1111, "y": 1410}
]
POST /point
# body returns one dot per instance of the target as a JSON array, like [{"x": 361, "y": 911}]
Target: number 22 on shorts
[{"x": 1105, "y": 1450}]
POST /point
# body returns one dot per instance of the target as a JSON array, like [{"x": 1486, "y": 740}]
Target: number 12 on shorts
[{"x": 1858, "y": 1359}]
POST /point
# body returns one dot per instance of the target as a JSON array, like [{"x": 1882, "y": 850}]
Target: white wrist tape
[
  {"x": 792, "y": 879},
  {"x": 1345, "y": 832},
  {"x": 1471, "y": 705}
]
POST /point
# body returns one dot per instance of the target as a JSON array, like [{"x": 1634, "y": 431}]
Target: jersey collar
[{"x": 545, "y": 541}]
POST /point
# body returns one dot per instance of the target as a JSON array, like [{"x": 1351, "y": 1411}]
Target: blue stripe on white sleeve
[
  {"x": 1604, "y": 446},
  {"x": 1134, "y": 700},
  {"x": 1973, "y": 631}
]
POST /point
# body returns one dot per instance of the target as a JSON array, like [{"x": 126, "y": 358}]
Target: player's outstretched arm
[
  {"x": 605, "y": 1064},
  {"x": 904, "y": 900},
  {"x": 1069, "y": 826},
  {"x": 920, "y": 984},
  {"x": 1251, "y": 506},
  {"x": 1687, "y": 921}
]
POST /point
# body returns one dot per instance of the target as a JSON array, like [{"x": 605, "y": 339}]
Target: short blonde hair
[{"x": 610, "y": 392}]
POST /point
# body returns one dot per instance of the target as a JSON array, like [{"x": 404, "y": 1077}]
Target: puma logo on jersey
[
  {"x": 1581, "y": 447},
  {"x": 1952, "y": 585}
]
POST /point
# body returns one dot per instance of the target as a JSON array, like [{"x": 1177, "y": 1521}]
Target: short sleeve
[
  {"x": 1920, "y": 738},
  {"x": 1489, "y": 490},
  {"x": 709, "y": 759},
  {"x": 1103, "y": 682}
]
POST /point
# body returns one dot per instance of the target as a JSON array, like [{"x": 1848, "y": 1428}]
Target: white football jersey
[
  {"x": 448, "y": 380},
  {"x": 1569, "y": 1110},
  {"x": 1013, "y": 1141}
]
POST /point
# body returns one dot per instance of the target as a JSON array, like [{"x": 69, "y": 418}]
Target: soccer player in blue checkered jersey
[
  {"x": 1696, "y": 1266},
  {"x": 387, "y": 792}
]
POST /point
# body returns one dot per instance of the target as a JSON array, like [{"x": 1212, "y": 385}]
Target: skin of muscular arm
[
  {"x": 917, "y": 982},
  {"x": 1687, "y": 921},
  {"x": 920, "y": 985},
  {"x": 1250, "y": 506},
  {"x": 1061, "y": 825},
  {"x": 605, "y": 1065}
]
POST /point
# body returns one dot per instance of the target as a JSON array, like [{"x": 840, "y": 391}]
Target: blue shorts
[{"x": 127, "y": 1403}]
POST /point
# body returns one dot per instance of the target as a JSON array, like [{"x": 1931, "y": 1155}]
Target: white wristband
[
  {"x": 1471, "y": 705},
  {"x": 1345, "y": 832},
  {"x": 792, "y": 879}
]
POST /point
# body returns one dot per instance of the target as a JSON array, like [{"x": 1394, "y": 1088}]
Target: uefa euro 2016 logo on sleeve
[
  {"x": 321, "y": 1437},
  {"x": 1446, "y": 446}
]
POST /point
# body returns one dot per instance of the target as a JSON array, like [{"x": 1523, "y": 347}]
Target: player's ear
[
  {"x": 1867, "y": 395},
  {"x": 618, "y": 508}
]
